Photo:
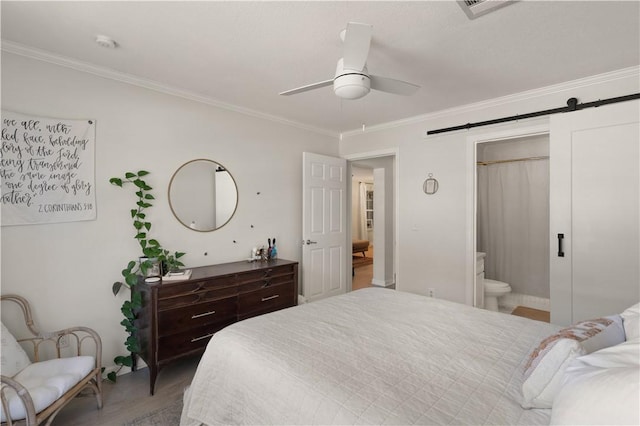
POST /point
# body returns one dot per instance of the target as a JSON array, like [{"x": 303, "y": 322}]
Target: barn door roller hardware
[{"x": 572, "y": 105}]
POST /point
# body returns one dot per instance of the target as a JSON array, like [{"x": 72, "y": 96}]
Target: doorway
[
  {"x": 362, "y": 223},
  {"x": 512, "y": 221},
  {"x": 372, "y": 224}
]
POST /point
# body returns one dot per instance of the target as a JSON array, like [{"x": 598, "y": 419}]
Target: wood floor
[
  {"x": 534, "y": 314},
  {"x": 363, "y": 275},
  {"x": 129, "y": 398}
]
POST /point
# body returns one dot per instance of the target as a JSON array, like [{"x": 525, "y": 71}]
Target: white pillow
[
  {"x": 625, "y": 354},
  {"x": 601, "y": 388},
  {"x": 545, "y": 369},
  {"x": 12, "y": 357},
  {"x": 631, "y": 321}
]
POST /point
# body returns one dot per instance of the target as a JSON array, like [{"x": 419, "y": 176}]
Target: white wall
[
  {"x": 533, "y": 146},
  {"x": 383, "y": 228},
  {"x": 66, "y": 270},
  {"x": 436, "y": 248}
]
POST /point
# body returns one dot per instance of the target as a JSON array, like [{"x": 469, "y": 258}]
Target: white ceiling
[{"x": 242, "y": 54}]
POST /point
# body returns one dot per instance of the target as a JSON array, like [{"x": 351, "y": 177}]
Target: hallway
[{"x": 363, "y": 273}]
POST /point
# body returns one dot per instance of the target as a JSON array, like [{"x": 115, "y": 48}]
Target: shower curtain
[{"x": 513, "y": 224}]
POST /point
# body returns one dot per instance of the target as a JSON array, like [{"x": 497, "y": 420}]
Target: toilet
[{"x": 492, "y": 290}]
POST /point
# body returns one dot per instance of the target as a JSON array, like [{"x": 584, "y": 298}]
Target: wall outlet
[{"x": 431, "y": 292}]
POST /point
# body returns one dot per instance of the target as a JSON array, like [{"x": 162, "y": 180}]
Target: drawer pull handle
[
  {"x": 264, "y": 299},
  {"x": 202, "y": 315},
  {"x": 267, "y": 283},
  {"x": 195, "y": 339}
]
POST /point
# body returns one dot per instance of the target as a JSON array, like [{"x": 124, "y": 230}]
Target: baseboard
[
  {"x": 511, "y": 300},
  {"x": 380, "y": 283}
]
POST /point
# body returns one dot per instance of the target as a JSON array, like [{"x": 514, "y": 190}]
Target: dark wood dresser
[{"x": 178, "y": 318}]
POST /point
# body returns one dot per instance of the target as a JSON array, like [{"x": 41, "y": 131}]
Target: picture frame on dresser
[{"x": 178, "y": 318}]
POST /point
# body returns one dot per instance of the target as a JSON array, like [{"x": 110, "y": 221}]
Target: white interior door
[
  {"x": 324, "y": 214},
  {"x": 594, "y": 206}
]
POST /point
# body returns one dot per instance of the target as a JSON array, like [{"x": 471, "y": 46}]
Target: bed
[{"x": 372, "y": 356}]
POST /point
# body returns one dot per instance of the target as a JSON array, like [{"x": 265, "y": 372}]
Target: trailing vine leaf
[
  {"x": 115, "y": 288},
  {"x": 131, "y": 280},
  {"x": 150, "y": 248}
]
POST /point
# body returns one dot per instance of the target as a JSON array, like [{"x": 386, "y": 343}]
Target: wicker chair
[{"x": 35, "y": 392}]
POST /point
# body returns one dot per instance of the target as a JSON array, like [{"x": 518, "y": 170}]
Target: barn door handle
[{"x": 560, "y": 248}]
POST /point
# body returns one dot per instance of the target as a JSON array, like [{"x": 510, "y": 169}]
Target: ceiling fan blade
[
  {"x": 308, "y": 87},
  {"x": 357, "y": 40},
  {"x": 390, "y": 85}
]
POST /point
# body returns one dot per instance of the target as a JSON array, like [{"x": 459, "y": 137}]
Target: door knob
[{"x": 310, "y": 242}]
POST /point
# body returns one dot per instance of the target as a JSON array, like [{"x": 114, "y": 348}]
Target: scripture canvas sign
[{"x": 47, "y": 170}]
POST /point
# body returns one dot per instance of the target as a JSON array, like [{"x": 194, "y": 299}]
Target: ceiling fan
[{"x": 352, "y": 79}]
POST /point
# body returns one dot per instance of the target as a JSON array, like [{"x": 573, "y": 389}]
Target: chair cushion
[
  {"x": 47, "y": 381},
  {"x": 360, "y": 245},
  {"x": 12, "y": 357}
]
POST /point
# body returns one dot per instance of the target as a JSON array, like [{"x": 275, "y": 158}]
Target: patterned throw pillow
[
  {"x": 13, "y": 358},
  {"x": 546, "y": 365}
]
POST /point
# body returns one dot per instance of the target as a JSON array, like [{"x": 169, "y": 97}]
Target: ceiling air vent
[{"x": 475, "y": 8}]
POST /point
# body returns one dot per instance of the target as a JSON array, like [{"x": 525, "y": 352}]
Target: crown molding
[
  {"x": 517, "y": 97},
  {"x": 45, "y": 56}
]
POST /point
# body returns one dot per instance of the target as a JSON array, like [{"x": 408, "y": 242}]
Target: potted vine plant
[{"x": 152, "y": 251}]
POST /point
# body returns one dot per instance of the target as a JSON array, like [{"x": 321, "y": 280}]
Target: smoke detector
[
  {"x": 475, "y": 8},
  {"x": 105, "y": 41}
]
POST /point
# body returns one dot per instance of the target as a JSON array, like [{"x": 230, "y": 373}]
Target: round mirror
[{"x": 203, "y": 195}]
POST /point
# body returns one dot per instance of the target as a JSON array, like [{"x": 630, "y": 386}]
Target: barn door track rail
[{"x": 572, "y": 105}]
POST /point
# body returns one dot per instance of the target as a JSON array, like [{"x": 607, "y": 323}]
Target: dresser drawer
[
  {"x": 188, "y": 341},
  {"x": 265, "y": 282},
  {"x": 173, "y": 320},
  {"x": 255, "y": 275},
  {"x": 268, "y": 298},
  {"x": 201, "y": 296},
  {"x": 188, "y": 287}
]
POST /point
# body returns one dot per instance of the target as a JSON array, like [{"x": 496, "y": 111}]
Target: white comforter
[{"x": 372, "y": 356}]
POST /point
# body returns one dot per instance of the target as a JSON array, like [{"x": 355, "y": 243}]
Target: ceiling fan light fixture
[
  {"x": 352, "y": 79},
  {"x": 351, "y": 86}
]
